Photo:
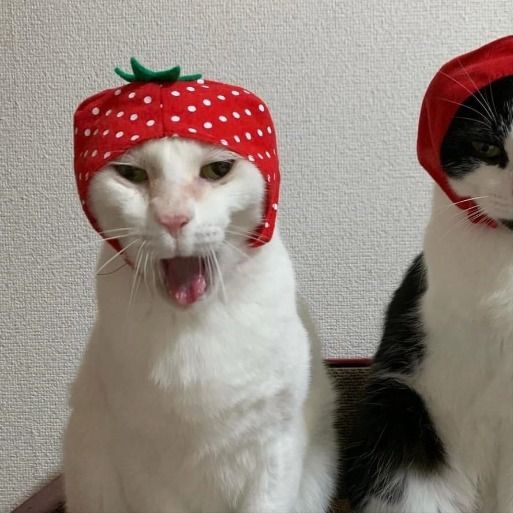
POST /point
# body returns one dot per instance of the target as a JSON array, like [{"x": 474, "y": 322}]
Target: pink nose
[{"x": 173, "y": 222}]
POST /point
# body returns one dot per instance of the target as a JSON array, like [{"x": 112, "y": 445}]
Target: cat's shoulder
[{"x": 402, "y": 346}]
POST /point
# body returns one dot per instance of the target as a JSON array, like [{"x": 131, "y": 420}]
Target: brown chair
[{"x": 349, "y": 377}]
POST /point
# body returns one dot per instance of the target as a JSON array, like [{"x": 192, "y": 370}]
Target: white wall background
[{"x": 344, "y": 79}]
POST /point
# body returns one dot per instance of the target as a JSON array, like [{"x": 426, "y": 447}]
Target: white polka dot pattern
[{"x": 108, "y": 124}]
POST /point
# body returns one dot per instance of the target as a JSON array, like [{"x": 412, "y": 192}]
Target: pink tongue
[{"x": 185, "y": 279}]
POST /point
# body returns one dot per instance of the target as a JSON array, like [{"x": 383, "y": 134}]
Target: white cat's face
[{"x": 184, "y": 212}]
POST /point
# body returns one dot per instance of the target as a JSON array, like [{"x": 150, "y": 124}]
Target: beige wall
[{"x": 344, "y": 79}]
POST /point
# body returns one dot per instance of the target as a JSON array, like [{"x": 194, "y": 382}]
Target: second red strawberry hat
[
  {"x": 455, "y": 82},
  {"x": 157, "y": 104}
]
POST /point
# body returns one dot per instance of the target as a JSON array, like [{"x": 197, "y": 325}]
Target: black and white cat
[{"x": 436, "y": 427}]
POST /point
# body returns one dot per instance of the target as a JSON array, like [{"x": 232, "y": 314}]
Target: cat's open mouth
[{"x": 185, "y": 279}]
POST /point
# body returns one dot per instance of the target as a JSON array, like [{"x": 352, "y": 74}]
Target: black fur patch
[
  {"x": 401, "y": 347},
  {"x": 394, "y": 431},
  {"x": 508, "y": 223},
  {"x": 486, "y": 117}
]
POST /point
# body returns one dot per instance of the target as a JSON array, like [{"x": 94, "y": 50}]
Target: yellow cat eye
[
  {"x": 486, "y": 150},
  {"x": 216, "y": 170},
  {"x": 131, "y": 173}
]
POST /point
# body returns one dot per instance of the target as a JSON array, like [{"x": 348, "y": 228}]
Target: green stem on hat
[{"x": 142, "y": 74}]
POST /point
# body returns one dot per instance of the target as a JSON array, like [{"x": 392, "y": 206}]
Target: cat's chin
[{"x": 186, "y": 280}]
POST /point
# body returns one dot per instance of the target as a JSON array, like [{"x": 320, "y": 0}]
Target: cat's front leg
[
  {"x": 505, "y": 475},
  {"x": 275, "y": 487},
  {"x": 91, "y": 484}
]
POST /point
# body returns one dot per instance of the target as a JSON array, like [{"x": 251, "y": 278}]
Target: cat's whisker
[
  {"x": 458, "y": 215},
  {"x": 213, "y": 270},
  {"x": 475, "y": 215},
  {"x": 153, "y": 264},
  {"x": 469, "y": 91},
  {"x": 111, "y": 230},
  {"x": 493, "y": 100},
  {"x": 242, "y": 229},
  {"x": 236, "y": 232},
  {"x": 486, "y": 124},
  {"x": 460, "y": 218},
  {"x": 232, "y": 246},
  {"x": 210, "y": 268},
  {"x": 135, "y": 277},
  {"x": 219, "y": 274},
  {"x": 443, "y": 209},
  {"x": 57, "y": 257},
  {"x": 117, "y": 254},
  {"x": 245, "y": 234},
  {"x": 141, "y": 265},
  {"x": 160, "y": 273},
  {"x": 150, "y": 273},
  {"x": 469, "y": 108},
  {"x": 478, "y": 91},
  {"x": 145, "y": 273},
  {"x": 114, "y": 271},
  {"x": 118, "y": 162}
]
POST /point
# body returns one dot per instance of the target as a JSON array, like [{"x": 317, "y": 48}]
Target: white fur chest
[
  {"x": 200, "y": 371},
  {"x": 242, "y": 357},
  {"x": 467, "y": 373}
]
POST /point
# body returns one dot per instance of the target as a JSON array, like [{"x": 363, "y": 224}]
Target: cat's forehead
[
  {"x": 490, "y": 108},
  {"x": 161, "y": 153}
]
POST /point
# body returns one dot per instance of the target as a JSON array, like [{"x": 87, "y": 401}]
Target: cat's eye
[
  {"x": 132, "y": 173},
  {"x": 486, "y": 150},
  {"x": 216, "y": 170}
]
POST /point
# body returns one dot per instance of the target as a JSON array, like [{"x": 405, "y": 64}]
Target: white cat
[{"x": 201, "y": 389}]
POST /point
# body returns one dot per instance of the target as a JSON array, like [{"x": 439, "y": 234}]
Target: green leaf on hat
[{"x": 143, "y": 74}]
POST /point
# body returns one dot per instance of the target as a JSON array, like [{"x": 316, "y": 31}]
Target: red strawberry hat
[
  {"x": 157, "y": 104},
  {"x": 454, "y": 83}
]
